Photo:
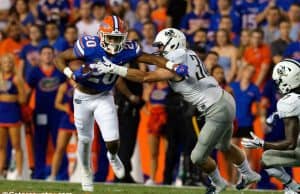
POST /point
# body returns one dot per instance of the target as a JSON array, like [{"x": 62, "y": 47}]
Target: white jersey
[
  {"x": 199, "y": 88},
  {"x": 289, "y": 106}
]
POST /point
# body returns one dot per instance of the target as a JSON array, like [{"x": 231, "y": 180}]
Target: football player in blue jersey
[{"x": 93, "y": 99}]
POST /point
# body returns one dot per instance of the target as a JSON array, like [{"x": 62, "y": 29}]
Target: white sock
[
  {"x": 84, "y": 154},
  {"x": 111, "y": 156},
  {"x": 244, "y": 167},
  {"x": 216, "y": 178},
  {"x": 280, "y": 174}
]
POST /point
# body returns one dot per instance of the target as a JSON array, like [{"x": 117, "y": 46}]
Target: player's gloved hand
[
  {"x": 81, "y": 73},
  {"x": 254, "y": 143},
  {"x": 106, "y": 66},
  {"x": 181, "y": 70}
]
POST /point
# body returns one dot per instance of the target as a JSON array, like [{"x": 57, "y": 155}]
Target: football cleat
[
  {"x": 116, "y": 165},
  {"x": 246, "y": 180},
  {"x": 87, "y": 181},
  {"x": 211, "y": 190},
  {"x": 290, "y": 191}
]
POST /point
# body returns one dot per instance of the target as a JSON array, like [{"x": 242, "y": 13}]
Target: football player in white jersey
[
  {"x": 285, "y": 153},
  {"x": 203, "y": 91}
]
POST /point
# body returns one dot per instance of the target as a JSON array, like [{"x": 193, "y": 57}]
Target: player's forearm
[
  {"x": 156, "y": 60},
  {"x": 61, "y": 61},
  {"x": 281, "y": 145},
  {"x": 135, "y": 75}
]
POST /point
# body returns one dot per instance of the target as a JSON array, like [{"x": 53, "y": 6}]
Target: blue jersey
[
  {"x": 244, "y": 100},
  {"x": 293, "y": 51},
  {"x": 88, "y": 48},
  {"x": 249, "y": 12},
  {"x": 235, "y": 18}
]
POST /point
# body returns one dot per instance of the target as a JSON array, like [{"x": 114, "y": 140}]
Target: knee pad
[
  {"x": 197, "y": 157},
  {"x": 84, "y": 139}
]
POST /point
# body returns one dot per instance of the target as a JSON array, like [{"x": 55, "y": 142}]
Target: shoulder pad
[
  {"x": 176, "y": 56},
  {"x": 288, "y": 106},
  {"x": 85, "y": 45}
]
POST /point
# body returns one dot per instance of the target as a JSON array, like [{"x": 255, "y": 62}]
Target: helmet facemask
[{"x": 113, "y": 43}]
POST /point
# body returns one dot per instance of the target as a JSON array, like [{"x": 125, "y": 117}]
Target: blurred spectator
[
  {"x": 225, "y": 9},
  {"x": 294, "y": 16},
  {"x": 129, "y": 101},
  {"x": 211, "y": 60},
  {"x": 198, "y": 18},
  {"x": 293, "y": 50},
  {"x": 218, "y": 73},
  {"x": 99, "y": 11},
  {"x": 86, "y": 25},
  {"x": 200, "y": 40},
  {"x": 226, "y": 24},
  {"x": 71, "y": 35},
  {"x": 258, "y": 55},
  {"x": 23, "y": 15},
  {"x": 278, "y": 46},
  {"x": 142, "y": 15},
  {"x": 53, "y": 38},
  {"x": 30, "y": 52},
  {"x": 53, "y": 10},
  {"x": 248, "y": 10},
  {"x": 271, "y": 29},
  {"x": 14, "y": 42},
  {"x": 122, "y": 9},
  {"x": 156, "y": 124},
  {"x": 45, "y": 80},
  {"x": 244, "y": 43},
  {"x": 5, "y": 6},
  {"x": 175, "y": 10},
  {"x": 159, "y": 15},
  {"x": 64, "y": 103},
  {"x": 246, "y": 94},
  {"x": 149, "y": 32},
  {"x": 264, "y": 10},
  {"x": 227, "y": 54},
  {"x": 12, "y": 95}
]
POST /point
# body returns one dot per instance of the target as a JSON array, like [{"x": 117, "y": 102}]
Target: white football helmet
[
  {"x": 169, "y": 39},
  {"x": 286, "y": 74}
]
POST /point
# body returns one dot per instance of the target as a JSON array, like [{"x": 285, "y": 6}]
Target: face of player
[
  {"x": 7, "y": 64},
  {"x": 256, "y": 39},
  {"x": 47, "y": 56}
]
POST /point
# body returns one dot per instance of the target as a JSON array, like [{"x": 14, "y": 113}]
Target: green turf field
[{"x": 68, "y": 188}]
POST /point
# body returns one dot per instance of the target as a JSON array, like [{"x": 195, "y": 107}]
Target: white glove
[
  {"x": 106, "y": 66},
  {"x": 254, "y": 143},
  {"x": 271, "y": 120}
]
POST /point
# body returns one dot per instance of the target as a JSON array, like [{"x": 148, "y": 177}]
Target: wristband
[
  {"x": 68, "y": 72},
  {"x": 170, "y": 65},
  {"x": 122, "y": 71}
]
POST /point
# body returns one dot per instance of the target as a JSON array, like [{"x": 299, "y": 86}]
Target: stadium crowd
[{"x": 239, "y": 41}]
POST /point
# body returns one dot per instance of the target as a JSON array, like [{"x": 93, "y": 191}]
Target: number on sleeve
[
  {"x": 201, "y": 71},
  {"x": 109, "y": 78},
  {"x": 90, "y": 41}
]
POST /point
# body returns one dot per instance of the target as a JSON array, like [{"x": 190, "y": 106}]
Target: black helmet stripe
[
  {"x": 293, "y": 61},
  {"x": 116, "y": 23}
]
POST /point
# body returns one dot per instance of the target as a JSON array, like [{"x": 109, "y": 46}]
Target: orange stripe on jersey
[{"x": 17, "y": 124}]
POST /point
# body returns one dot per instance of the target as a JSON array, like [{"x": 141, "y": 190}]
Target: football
[{"x": 76, "y": 64}]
